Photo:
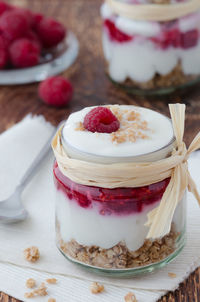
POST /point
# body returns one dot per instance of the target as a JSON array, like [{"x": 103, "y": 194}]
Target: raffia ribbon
[
  {"x": 133, "y": 174},
  {"x": 154, "y": 12}
]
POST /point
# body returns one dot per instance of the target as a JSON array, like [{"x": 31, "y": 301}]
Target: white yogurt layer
[
  {"x": 88, "y": 227},
  {"x": 159, "y": 132},
  {"x": 141, "y": 60}
]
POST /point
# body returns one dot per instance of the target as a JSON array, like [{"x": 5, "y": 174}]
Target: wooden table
[{"x": 92, "y": 88}]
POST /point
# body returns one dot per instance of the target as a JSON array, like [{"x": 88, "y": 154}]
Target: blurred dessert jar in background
[
  {"x": 103, "y": 226},
  {"x": 150, "y": 51}
]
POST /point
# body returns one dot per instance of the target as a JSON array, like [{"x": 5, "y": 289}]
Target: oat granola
[
  {"x": 175, "y": 78},
  {"x": 30, "y": 283},
  {"x": 120, "y": 256},
  {"x": 130, "y": 297},
  {"x": 172, "y": 275},
  {"x": 96, "y": 288},
  {"x": 32, "y": 254},
  {"x": 51, "y": 280},
  {"x": 51, "y": 300}
]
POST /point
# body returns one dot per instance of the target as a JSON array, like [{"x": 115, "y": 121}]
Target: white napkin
[{"x": 18, "y": 146}]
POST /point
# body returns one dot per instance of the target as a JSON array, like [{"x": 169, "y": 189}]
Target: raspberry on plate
[
  {"x": 13, "y": 24},
  {"x": 24, "y": 53},
  {"x": 101, "y": 119},
  {"x": 37, "y": 18},
  {"x": 4, "y": 7},
  {"x": 50, "y": 32},
  {"x": 56, "y": 91},
  {"x": 3, "y": 57}
]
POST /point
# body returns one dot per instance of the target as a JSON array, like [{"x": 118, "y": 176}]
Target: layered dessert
[
  {"x": 104, "y": 227},
  {"x": 151, "y": 55}
]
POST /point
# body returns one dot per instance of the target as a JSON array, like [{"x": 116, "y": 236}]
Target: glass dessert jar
[
  {"x": 148, "y": 56},
  {"x": 104, "y": 228}
]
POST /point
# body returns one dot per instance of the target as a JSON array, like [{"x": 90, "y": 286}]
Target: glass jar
[
  {"x": 103, "y": 229},
  {"x": 151, "y": 57}
]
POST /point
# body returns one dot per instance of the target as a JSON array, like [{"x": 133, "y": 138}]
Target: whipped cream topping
[{"x": 156, "y": 135}]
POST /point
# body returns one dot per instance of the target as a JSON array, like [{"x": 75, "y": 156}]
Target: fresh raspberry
[
  {"x": 50, "y": 32},
  {"x": 56, "y": 91},
  {"x": 4, "y": 7},
  {"x": 3, "y": 57},
  {"x": 189, "y": 39},
  {"x": 101, "y": 119},
  {"x": 26, "y": 13},
  {"x": 115, "y": 33},
  {"x": 37, "y": 18},
  {"x": 31, "y": 35},
  {"x": 13, "y": 25},
  {"x": 24, "y": 53},
  {"x": 4, "y": 42}
]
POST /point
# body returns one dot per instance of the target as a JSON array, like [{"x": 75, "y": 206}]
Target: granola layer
[
  {"x": 175, "y": 78},
  {"x": 119, "y": 256}
]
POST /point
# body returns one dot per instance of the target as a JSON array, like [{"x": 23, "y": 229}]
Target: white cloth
[{"x": 18, "y": 146}]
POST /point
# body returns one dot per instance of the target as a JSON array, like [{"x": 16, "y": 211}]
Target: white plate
[{"x": 64, "y": 56}]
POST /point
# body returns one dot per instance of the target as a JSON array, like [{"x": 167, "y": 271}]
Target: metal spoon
[{"x": 11, "y": 209}]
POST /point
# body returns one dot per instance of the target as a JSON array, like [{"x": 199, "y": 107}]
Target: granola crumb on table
[
  {"x": 30, "y": 283},
  {"x": 51, "y": 280},
  {"x": 96, "y": 288},
  {"x": 172, "y": 275},
  {"x": 32, "y": 254},
  {"x": 51, "y": 300},
  {"x": 130, "y": 297},
  {"x": 29, "y": 295}
]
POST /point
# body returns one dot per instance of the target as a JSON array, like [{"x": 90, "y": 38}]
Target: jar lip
[{"x": 134, "y": 157}]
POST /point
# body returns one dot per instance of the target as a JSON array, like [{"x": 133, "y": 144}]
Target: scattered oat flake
[
  {"x": 30, "y": 283},
  {"x": 41, "y": 290},
  {"x": 96, "y": 288},
  {"x": 130, "y": 297},
  {"x": 51, "y": 300},
  {"x": 32, "y": 254},
  {"x": 29, "y": 295},
  {"x": 51, "y": 280},
  {"x": 172, "y": 275}
]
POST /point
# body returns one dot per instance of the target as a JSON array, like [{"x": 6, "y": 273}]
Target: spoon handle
[{"x": 37, "y": 161}]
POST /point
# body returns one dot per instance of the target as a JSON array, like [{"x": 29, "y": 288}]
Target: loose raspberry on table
[
  {"x": 101, "y": 119},
  {"x": 24, "y": 53},
  {"x": 56, "y": 91},
  {"x": 13, "y": 24},
  {"x": 50, "y": 32}
]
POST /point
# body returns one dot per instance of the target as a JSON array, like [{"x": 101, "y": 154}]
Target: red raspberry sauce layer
[
  {"x": 169, "y": 37},
  {"x": 119, "y": 201}
]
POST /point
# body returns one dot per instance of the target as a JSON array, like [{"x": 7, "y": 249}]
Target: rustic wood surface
[{"x": 91, "y": 88}]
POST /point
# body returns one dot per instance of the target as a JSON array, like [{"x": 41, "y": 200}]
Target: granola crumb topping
[
  {"x": 80, "y": 127},
  {"x": 130, "y": 297},
  {"x": 172, "y": 275},
  {"x": 30, "y": 283},
  {"x": 132, "y": 127},
  {"x": 96, "y": 288},
  {"x": 51, "y": 280},
  {"x": 51, "y": 300},
  {"x": 32, "y": 254}
]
